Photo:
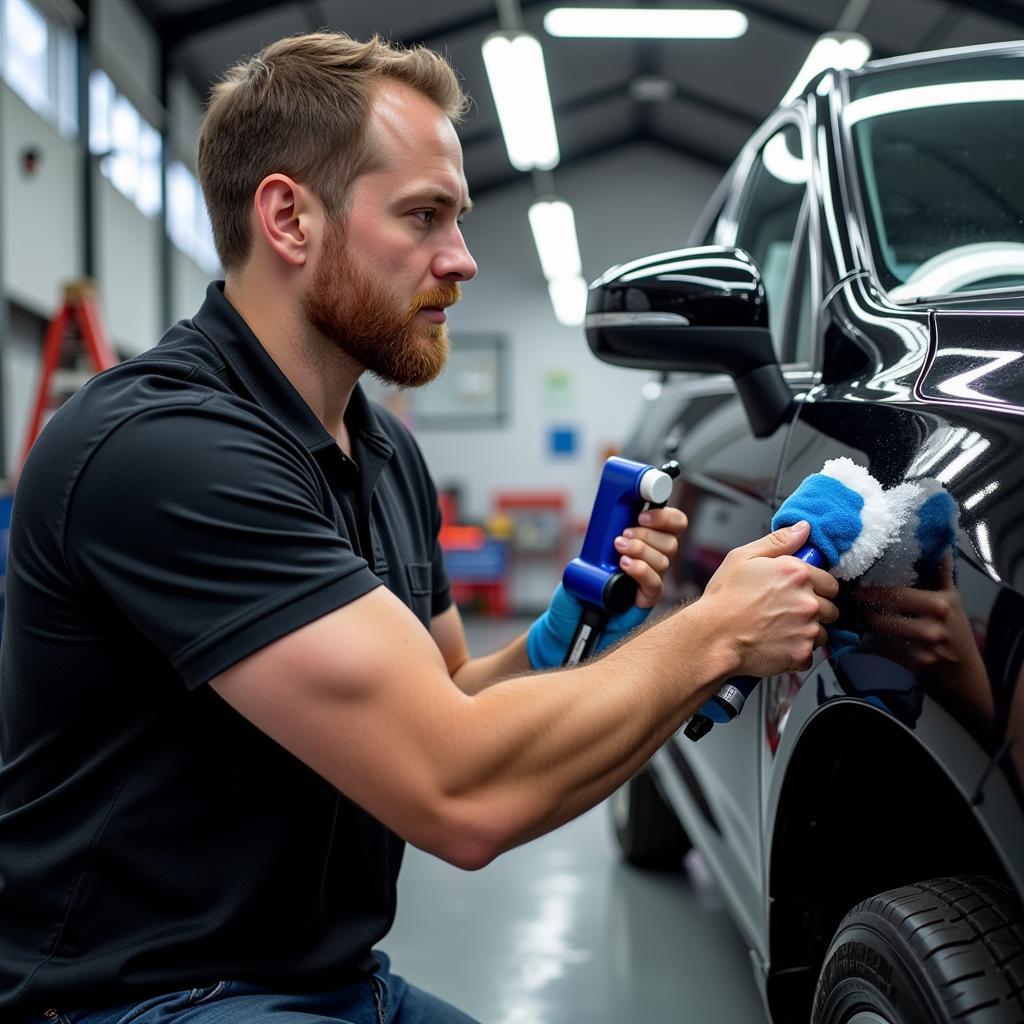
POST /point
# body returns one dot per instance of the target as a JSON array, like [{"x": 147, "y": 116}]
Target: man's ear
[{"x": 286, "y": 217}]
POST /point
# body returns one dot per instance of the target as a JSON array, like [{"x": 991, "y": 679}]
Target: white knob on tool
[{"x": 655, "y": 486}]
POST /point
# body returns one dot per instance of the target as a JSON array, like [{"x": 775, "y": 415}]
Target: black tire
[
  {"x": 647, "y": 829},
  {"x": 950, "y": 949}
]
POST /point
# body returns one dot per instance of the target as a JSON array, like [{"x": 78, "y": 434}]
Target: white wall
[
  {"x": 42, "y": 224},
  {"x": 188, "y": 281},
  {"x": 640, "y": 200},
  {"x": 188, "y": 287},
  {"x": 128, "y": 250},
  {"x": 128, "y": 269},
  {"x": 21, "y": 378},
  {"x": 186, "y": 109},
  {"x": 126, "y": 47}
]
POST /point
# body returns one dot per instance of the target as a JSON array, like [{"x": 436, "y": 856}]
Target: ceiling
[{"x": 719, "y": 90}]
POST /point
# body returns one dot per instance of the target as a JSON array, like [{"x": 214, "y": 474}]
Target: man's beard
[{"x": 361, "y": 317}]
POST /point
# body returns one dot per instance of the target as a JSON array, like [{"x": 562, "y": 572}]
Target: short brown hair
[{"x": 301, "y": 107}]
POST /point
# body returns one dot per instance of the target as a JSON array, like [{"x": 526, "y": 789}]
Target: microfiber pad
[
  {"x": 927, "y": 534},
  {"x": 832, "y": 509},
  {"x": 852, "y": 519},
  {"x": 936, "y": 524}
]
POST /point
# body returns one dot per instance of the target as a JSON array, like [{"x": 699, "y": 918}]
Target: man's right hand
[{"x": 769, "y": 607}]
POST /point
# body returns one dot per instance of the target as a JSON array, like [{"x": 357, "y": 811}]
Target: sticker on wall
[
  {"x": 563, "y": 442},
  {"x": 557, "y": 391}
]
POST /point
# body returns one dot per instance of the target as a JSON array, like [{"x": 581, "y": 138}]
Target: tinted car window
[
  {"x": 796, "y": 342},
  {"x": 769, "y": 212},
  {"x": 938, "y": 151}
]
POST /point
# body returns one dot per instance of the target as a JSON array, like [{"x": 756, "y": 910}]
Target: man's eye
[{"x": 427, "y": 215}]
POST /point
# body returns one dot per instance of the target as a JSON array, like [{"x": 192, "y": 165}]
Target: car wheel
[
  {"x": 648, "y": 832},
  {"x": 950, "y": 949}
]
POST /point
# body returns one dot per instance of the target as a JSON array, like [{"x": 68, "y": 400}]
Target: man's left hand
[{"x": 647, "y": 549}]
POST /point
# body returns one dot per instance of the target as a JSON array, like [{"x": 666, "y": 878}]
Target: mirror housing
[{"x": 701, "y": 310}]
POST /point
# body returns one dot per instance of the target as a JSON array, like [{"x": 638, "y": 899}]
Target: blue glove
[{"x": 548, "y": 641}]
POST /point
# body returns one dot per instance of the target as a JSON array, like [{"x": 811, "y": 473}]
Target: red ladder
[{"x": 63, "y": 371}]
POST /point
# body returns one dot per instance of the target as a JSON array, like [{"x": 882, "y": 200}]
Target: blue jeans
[{"x": 384, "y": 998}]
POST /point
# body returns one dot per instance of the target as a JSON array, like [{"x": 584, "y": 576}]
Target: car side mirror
[{"x": 701, "y": 310}]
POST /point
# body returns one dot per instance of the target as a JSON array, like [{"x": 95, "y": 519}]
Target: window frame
[{"x": 728, "y": 222}]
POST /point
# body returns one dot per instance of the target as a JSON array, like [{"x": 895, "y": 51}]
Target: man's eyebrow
[{"x": 439, "y": 196}]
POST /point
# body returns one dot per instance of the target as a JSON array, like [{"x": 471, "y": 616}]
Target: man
[{"x": 218, "y": 726}]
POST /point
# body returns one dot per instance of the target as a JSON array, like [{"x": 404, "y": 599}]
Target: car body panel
[{"x": 884, "y": 729}]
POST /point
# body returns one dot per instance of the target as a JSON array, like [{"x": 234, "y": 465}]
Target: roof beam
[
  {"x": 619, "y": 90},
  {"x": 177, "y": 28},
  {"x": 599, "y": 149},
  {"x": 586, "y": 101},
  {"x": 1004, "y": 10}
]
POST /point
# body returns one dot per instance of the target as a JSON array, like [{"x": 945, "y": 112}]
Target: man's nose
[{"x": 454, "y": 262}]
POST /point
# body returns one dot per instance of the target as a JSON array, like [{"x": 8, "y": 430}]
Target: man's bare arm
[
  {"x": 471, "y": 675},
  {"x": 364, "y": 697}
]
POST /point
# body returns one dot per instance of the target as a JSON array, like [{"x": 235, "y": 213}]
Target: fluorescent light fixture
[
  {"x": 946, "y": 95},
  {"x": 832, "y": 50},
  {"x": 519, "y": 84},
  {"x": 780, "y": 161},
  {"x": 569, "y": 297},
  {"x": 554, "y": 233},
  {"x": 633, "y": 23}
]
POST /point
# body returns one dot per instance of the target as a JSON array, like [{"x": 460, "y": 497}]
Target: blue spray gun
[
  {"x": 594, "y": 578},
  {"x": 852, "y": 522}
]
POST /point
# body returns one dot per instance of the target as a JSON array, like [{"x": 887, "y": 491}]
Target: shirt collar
[{"x": 262, "y": 377}]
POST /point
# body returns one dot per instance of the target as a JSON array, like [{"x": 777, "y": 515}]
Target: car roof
[{"x": 885, "y": 64}]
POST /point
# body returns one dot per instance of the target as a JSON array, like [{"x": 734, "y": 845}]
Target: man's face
[{"x": 385, "y": 275}]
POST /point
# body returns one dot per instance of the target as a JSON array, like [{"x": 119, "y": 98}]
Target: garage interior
[{"x": 100, "y": 105}]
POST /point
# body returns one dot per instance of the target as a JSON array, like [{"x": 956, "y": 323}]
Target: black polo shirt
[{"x": 181, "y": 511}]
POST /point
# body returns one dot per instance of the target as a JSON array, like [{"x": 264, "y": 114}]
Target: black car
[{"x": 856, "y": 289}]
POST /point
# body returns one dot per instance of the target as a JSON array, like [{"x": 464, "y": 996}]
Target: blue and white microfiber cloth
[
  {"x": 853, "y": 520},
  {"x": 923, "y": 540}
]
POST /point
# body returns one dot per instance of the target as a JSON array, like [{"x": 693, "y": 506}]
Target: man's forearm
[
  {"x": 540, "y": 750},
  {"x": 477, "y": 674}
]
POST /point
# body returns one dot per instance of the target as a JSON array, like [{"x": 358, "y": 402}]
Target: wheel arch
[{"x": 855, "y": 765}]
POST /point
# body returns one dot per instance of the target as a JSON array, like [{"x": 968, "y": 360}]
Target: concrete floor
[{"x": 561, "y": 932}]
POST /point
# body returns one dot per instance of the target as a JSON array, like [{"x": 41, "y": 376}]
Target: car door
[{"x": 729, "y": 481}]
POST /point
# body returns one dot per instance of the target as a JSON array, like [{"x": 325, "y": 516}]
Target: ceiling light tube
[
  {"x": 554, "y": 233},
  {"x": 519, "y": 84},
  {"x": 569, "y": 298},
  {"x": 840, "y": 50},
  {"x": 632, "y": 23}
]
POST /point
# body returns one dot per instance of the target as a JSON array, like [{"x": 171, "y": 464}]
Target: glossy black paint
[
  {"x": 904, "y": 758},
  {"x": 975, "y": 358},
  {"x": 707, "y": 286},
  {"x": 702, "y": 310}
]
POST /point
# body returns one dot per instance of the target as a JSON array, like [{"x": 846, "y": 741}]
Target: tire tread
[{"x": 967, "y": 934}]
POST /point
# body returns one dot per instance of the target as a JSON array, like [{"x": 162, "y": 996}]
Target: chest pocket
[{"x": 419, "y": 578}]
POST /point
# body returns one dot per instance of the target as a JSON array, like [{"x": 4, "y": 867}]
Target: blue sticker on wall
[{"x": 562, "y": 442}]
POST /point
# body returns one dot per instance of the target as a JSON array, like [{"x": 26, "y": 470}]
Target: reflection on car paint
[{"x": 976, "y": 357}]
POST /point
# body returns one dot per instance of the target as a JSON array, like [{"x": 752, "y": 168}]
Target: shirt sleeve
[{"x": 212, "y": 532}]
